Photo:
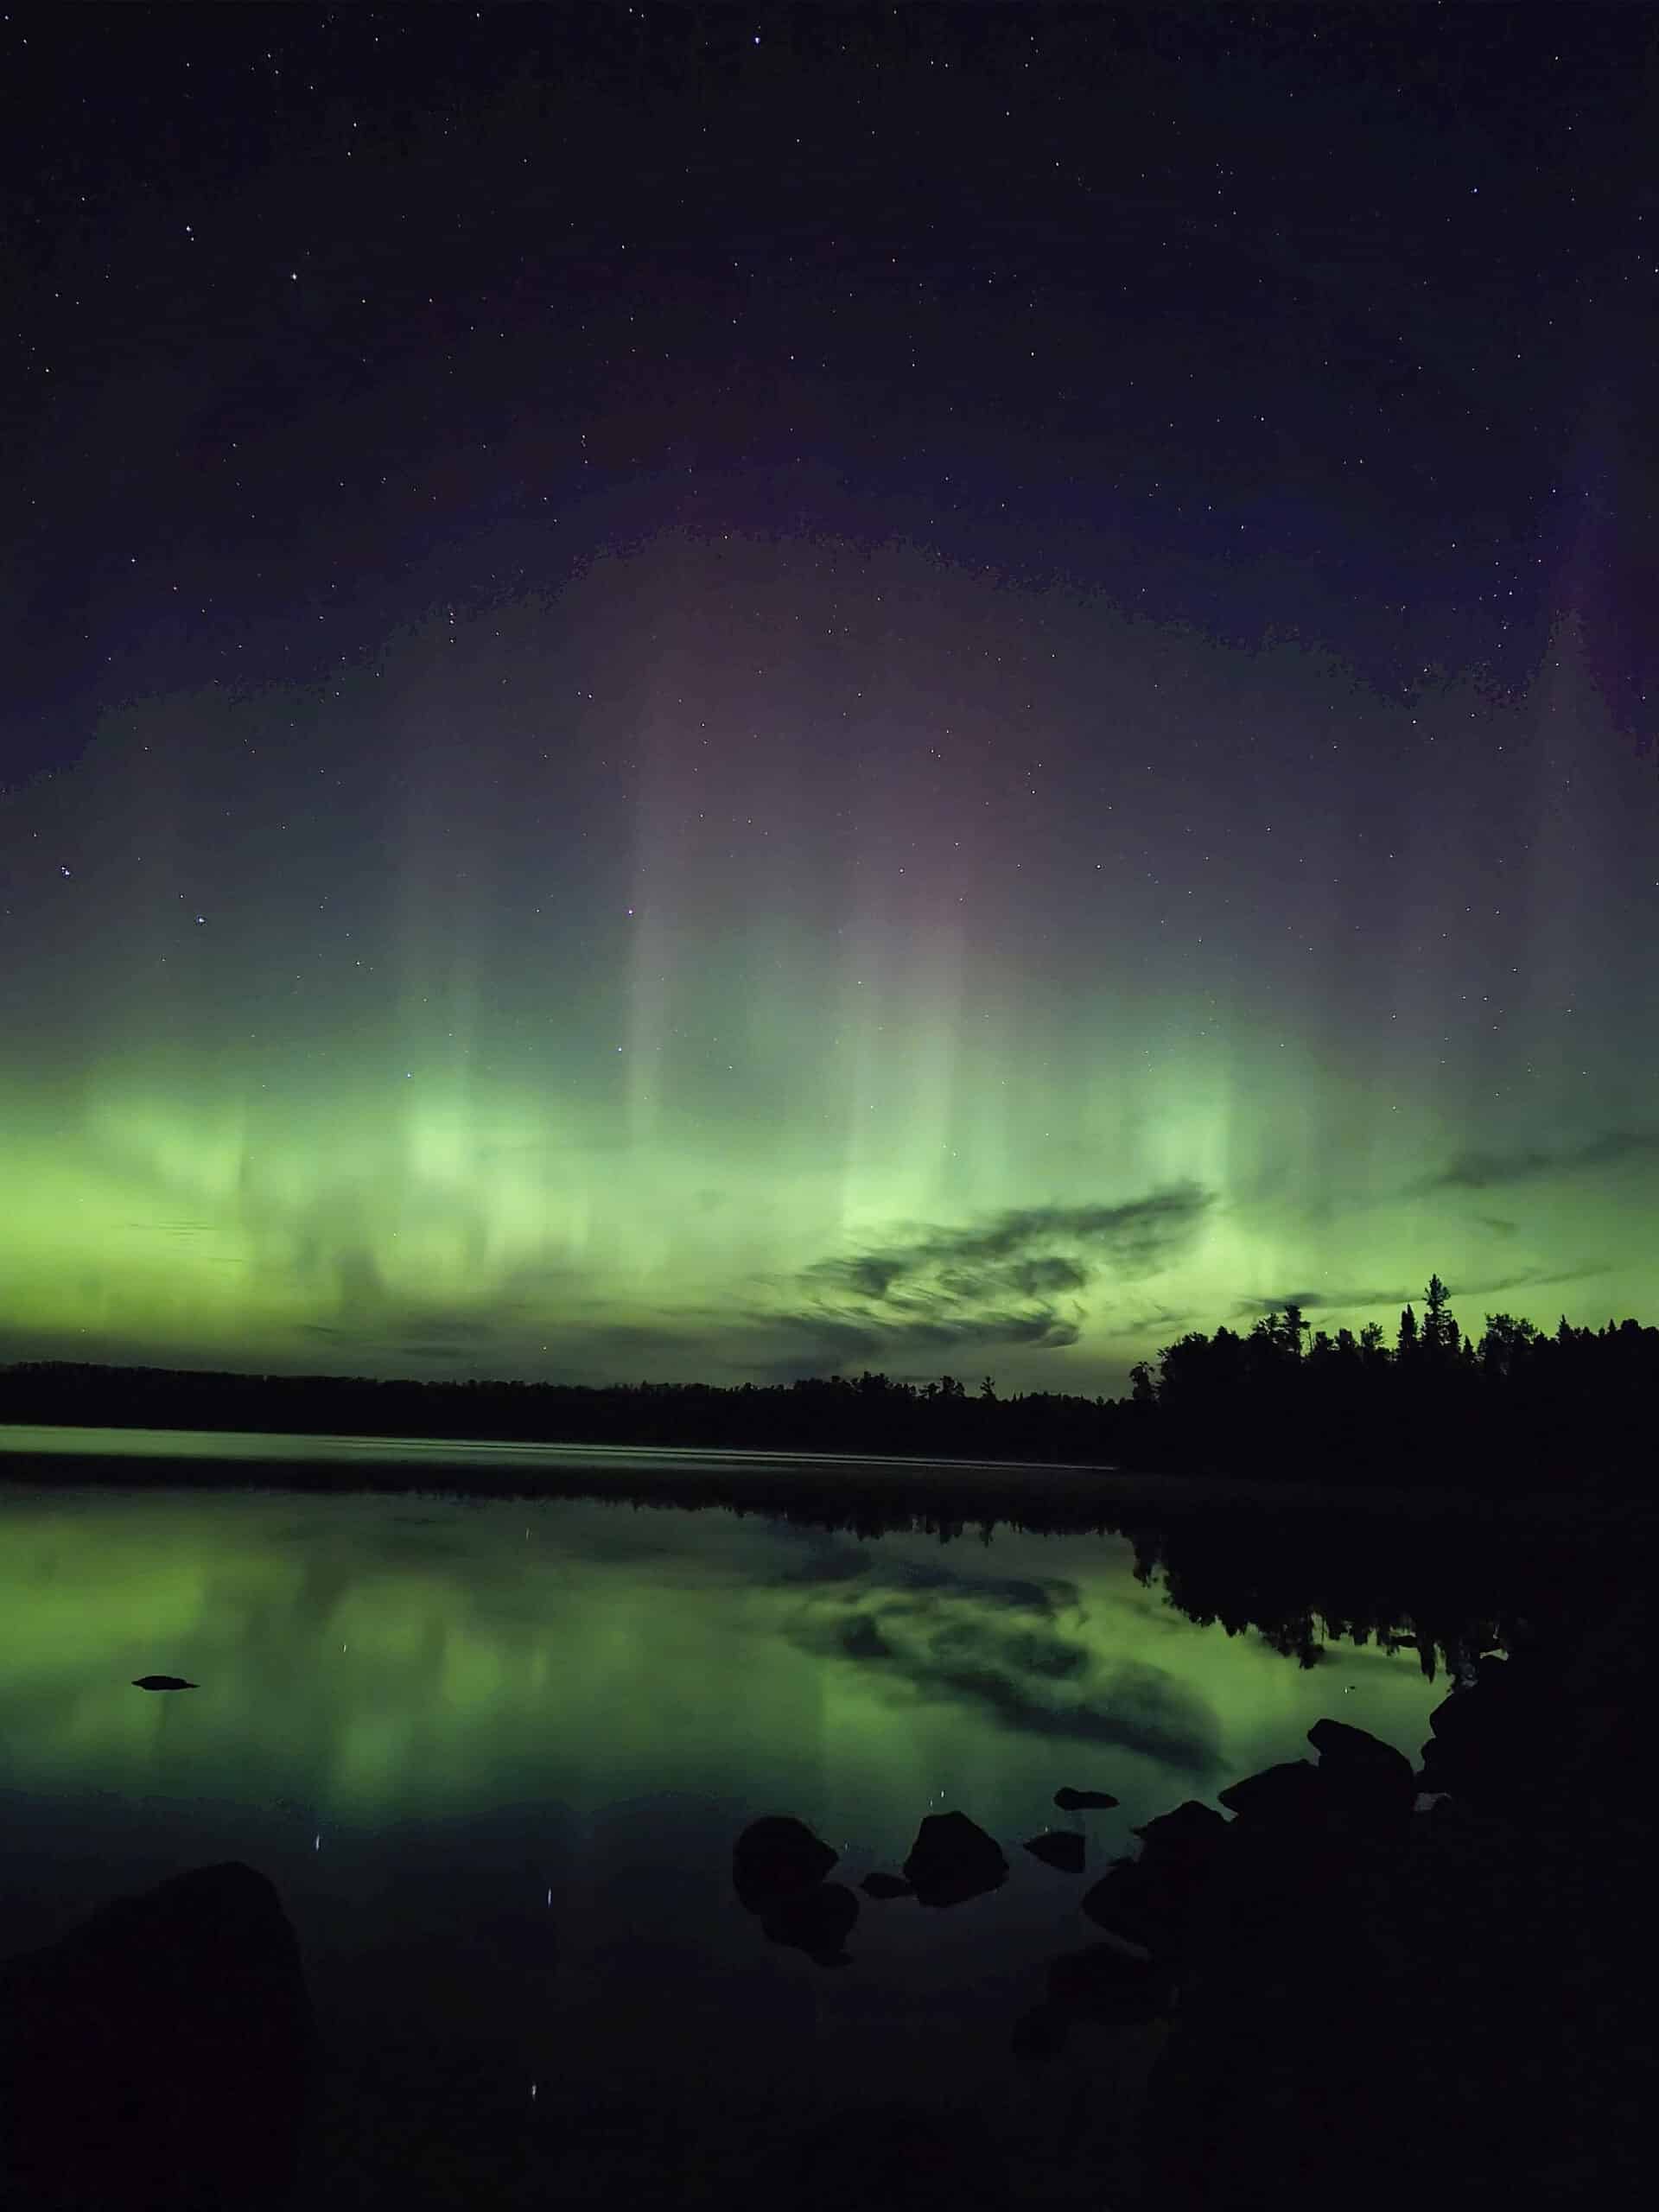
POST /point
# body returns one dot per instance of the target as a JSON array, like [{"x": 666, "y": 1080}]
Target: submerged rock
[
  {"x": 1083, "y": 1801},
  {"x": 162, "y": 2054},
  {"x": 953, "y": 1859}
]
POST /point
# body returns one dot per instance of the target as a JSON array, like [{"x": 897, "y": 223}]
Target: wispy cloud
[
  {"x": 1486, "y": 1171},
  {"x": 1529, "y": 1278},
  {"x": 1020, "y": 1279}
]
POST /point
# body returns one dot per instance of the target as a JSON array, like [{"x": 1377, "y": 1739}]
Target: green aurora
[
  {"x": 636, "y": 985},
  {"x": 363, "y": 1666}
]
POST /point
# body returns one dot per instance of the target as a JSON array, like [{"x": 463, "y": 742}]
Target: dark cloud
[
  {"x": 472, "y": 1329},
  {"x": 1015, "y": 1593},
  {"x": 1323, "y": 1302},
  {"x": 871, "y": 1275},
  {"x": 412, "y": 1332},
  {"x": 1162, "y": 1324},
  {"x": 820, "y": 1338},
  {"x": 1017, "y": 1280},
  {"x": 1041, "y": 1278},
  {"x": 1484, "y": 1171},
  {"x": 829, "y": 1563}
]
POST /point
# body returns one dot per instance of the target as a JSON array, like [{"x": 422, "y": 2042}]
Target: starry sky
[{"x": 712, "y": 693}]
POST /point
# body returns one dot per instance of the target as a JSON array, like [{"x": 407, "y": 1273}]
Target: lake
[{"x": 495, "y": 1754}]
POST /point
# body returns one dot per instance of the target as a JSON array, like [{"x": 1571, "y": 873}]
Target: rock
[
  {"x": 1062, "y": 1848},
  {"x": 817, "y": 1921},
  {"x": 162, "y": 2054},
  {"x": 1286, "y": 1796},
  {"x": 1083, "y": 1801},
  {"x": 1492, "y": 1741},
  {"x": 163, "y": 1682},
  {"x": 1193, "y": 1831},
  {"x": 885, "y": 1886},
  {"x": 1339, "y": 1745},
  {"x": 953, "y": 1859},
  {"x": 1367, "y": 1781},
  {"x": 775, "y": 1858}
]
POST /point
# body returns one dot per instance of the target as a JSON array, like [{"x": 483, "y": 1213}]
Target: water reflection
[
  {"x": 495, "y": 1754},
  {"x": 368, "y": 1662}
]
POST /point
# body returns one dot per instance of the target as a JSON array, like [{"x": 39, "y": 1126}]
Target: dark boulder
[
  {"x": 817, "y": 1921},
  {"x": 162, "y": 2054},
  {"x": 1083, "y": 1800},
  {"x": 1367, "y": 1781},
  {"x": 953, "y": 1859},
  {"x": 1286, "y": 1796},
  {"x": 885, "y": 1886},
  {"x": 1492, "y": 1740},
  {"x": 775, "y": 1858},
  {"x": 1476, "y": 1971},
  {"x": 1061, "y": 1848},
  {"x": 1192, "y": 1833},
  {"x": 1340, "y": 1746}
]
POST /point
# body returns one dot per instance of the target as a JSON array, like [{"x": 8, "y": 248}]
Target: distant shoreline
[
  {"x": 1064, "y": 1494},
  {"x": 1521, "y": 1414}
]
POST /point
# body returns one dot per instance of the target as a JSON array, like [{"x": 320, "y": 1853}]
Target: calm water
[{"x": 495, "y": 1756}]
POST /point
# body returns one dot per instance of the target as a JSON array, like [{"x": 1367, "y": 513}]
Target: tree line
[
  {"x": 1517, "y": 1406},
  {"x": 1516, "y": 1409}
]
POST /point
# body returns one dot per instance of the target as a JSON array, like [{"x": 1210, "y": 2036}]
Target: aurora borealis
[{"x": 924, "y": 758}]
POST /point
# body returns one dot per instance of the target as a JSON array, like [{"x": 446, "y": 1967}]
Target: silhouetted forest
[{"x": 1517, "y": 1410}]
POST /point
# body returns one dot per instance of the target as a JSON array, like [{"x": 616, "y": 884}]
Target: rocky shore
[
  {"x": 1366, "y": 1984},
  {"x": 1361, "y": 1982}
]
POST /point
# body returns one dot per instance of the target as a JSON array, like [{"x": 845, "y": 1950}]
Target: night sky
[{"x": 708, "y": 694}]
